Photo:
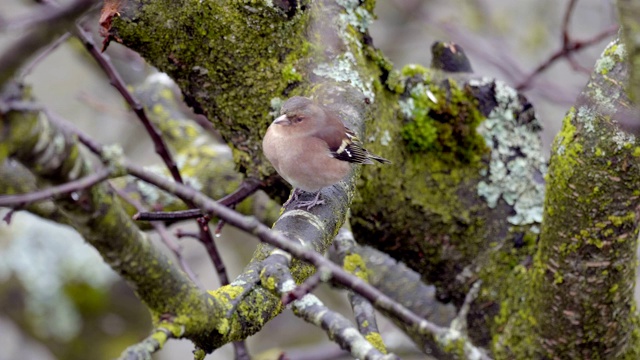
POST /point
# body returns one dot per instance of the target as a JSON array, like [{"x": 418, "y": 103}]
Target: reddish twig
[
  {"x": 59, "y": 190},
  {"x": 7, "y": 218},
  {"x": 165, "y": 236},
  {"x": 565, "y": 21},
  {"x": 568, "y": 47},
  {"x": 168, "y": 216},
  {"x": 212, "y": 250},
  {"x": 160, "y": 146},
  {"x": 247, "y": 188},
  {"x": 306, "y": 287}
]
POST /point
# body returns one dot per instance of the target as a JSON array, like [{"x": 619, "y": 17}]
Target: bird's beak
[{"x": 282, "y": 120}]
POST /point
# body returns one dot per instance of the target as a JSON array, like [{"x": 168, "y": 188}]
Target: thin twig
[
  {"x": 247, "y": 188},
  {"x": 9, "y": 215},
  {"x": 165, "y": 236},
  {"x": 42, "y": 29},
  {"x": 568, "y": 47},
  {"x": 565, "y": 22},
  {"x": 160, "y": 146},
  {"x": 460, "y": 322},
  {"x": 170, "y": 216},
  {"x": 43, "y": 54},
  {"x": 59, "y": 190},
  {"x": 306, "y": 287},
  {"x": 212, "y": 250}
]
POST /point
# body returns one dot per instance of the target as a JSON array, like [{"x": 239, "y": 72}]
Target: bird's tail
[{"x": 379, "y": 159}]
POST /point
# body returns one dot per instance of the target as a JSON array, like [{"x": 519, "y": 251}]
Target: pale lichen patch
[{"x": 517, "y": 167}]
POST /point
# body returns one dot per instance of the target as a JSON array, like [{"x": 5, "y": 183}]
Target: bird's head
[{"x": 300, "y": 112}]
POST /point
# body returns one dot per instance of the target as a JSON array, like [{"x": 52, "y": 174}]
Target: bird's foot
[
  {"x": 292, "y": 198},
  {"x": 311, "y": 203}
]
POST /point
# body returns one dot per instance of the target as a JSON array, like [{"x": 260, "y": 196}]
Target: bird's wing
[{"x": 344, "y": 145}]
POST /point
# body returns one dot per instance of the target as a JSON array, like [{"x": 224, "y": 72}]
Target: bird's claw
[
  {"x": 310, "y": 204},
  {"x": 304, "y": 204}
]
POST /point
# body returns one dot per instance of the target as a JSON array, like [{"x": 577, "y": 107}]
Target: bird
[{"x": 311, "y": 148}]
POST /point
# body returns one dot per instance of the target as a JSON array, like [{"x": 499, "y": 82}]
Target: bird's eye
[{"x": 297, "y": 119}]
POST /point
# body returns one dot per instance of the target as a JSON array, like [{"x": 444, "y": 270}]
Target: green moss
[
  {"x": 375, "y": 339},
  {"x": 86, "y": 298},
  {"x": 354, "y": 264},
  {"x": 290, "y": 75},
  {"x": 420, "y": 134},
  {"x": 416, "y": 70},
  {"x": 628, "y": 219},
  {"x": 226, "y": 69},
  {"x": 395, "y": 82},
  {"x": 199, "y": 354},
  {"x": 567, "y": 148},
  {"x": 512, "y": 335},
  {"x": 443, "y": 120},
  {"x": 509, "y": 281}
]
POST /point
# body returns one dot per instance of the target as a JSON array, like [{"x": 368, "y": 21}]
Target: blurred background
[{"x": 58, "y": 300}]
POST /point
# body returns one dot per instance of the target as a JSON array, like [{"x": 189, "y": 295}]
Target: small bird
[{"x": 310, "y": 147}]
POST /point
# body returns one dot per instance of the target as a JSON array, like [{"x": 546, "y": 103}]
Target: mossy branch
[{"x": 584, "y": 273}]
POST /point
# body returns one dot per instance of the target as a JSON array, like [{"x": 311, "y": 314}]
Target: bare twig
[
  {"x": 43, "y": 27},
  {"x": 240, "y": 349},
  {"x": 306, "y": 287},
  {"x": 460, "y": 322},
  {"x": 568, "y": 47},
  {"x": 169, "y": 216},
  {"x": 63, "y": 189},
  {"x": 212, "y": 250},
  {"x": 565, "y": 22},
  {"x": 165, "y": 236},
  {"x": 246, "y": 189},
  {"x": 9, "y": 215},
  {"x": 160, "y": 146}
]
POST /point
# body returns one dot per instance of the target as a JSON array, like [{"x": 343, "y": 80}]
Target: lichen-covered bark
[
  {"x": 580, "y": 303},
  {"x": 53, "y": 155},
  {"x": 629, "y": 19}
]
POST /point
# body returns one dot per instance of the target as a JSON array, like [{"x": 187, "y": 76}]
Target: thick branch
[{"x": 580, "y": 304}]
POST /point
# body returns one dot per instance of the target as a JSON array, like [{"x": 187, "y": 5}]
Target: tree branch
[{"x": 44, "y": 25}]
